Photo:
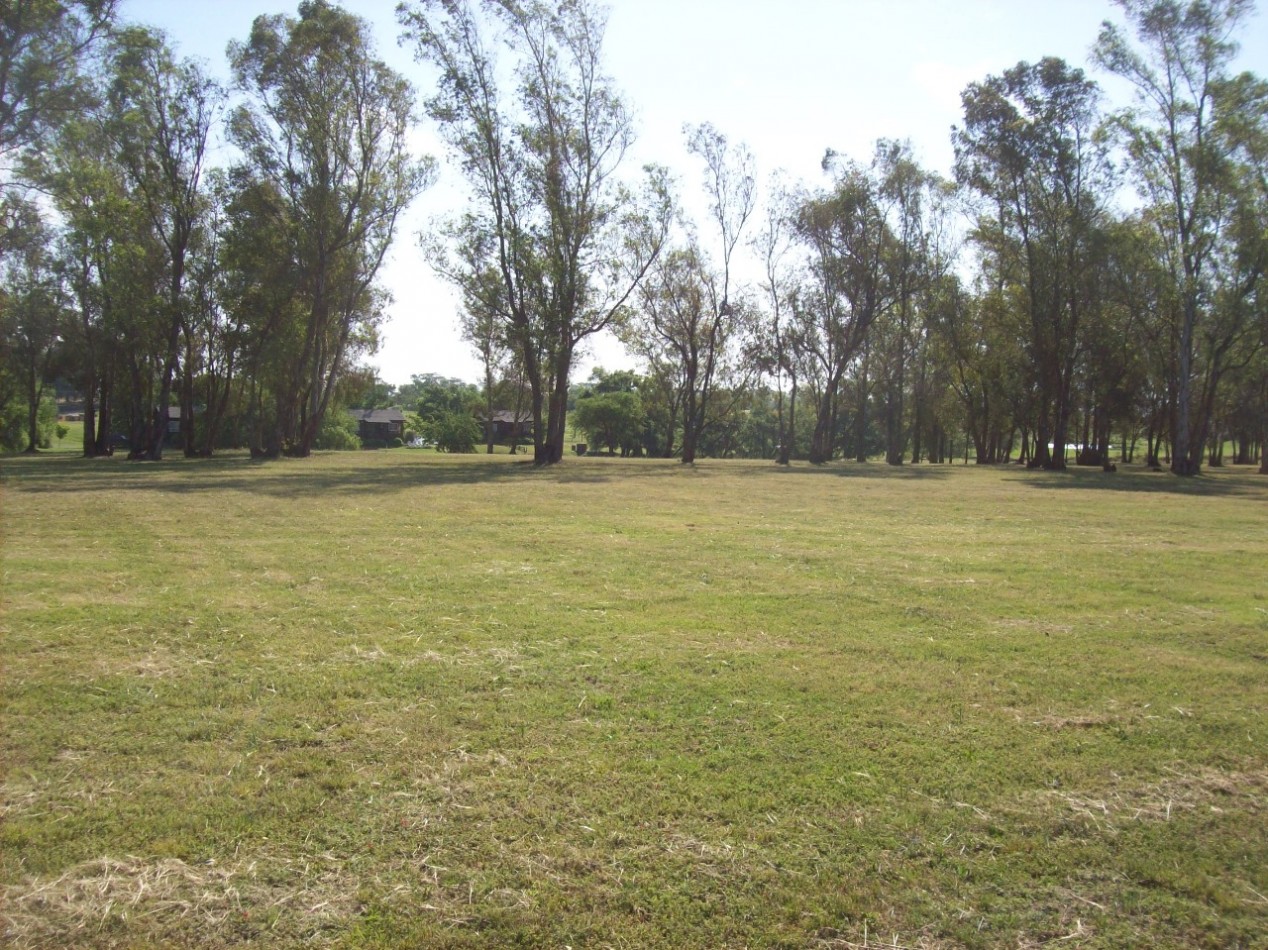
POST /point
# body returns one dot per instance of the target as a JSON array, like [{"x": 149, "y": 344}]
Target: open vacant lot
[{"x": 403, "y": 700}]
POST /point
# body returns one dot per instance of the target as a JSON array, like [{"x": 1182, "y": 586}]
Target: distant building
[
  {"x": 379, "y": 425},
  {"x": 508, "y": 425}
]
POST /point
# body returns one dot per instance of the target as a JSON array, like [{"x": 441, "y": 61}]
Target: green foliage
[
  {"x": 454, "y": 431},
  {"x": 613, "y": 420},
  {"x": 415, "y": 427},
  {"x": 43, "y": 47},
  {"x": 12, "y": 426},
  {"x": 580, "y": 238},
  {"x": 431, "y": 396},
  {"x": 14, "y": 436},
  {"x": 327, "y": 130},
  {"x": 338, "y": 432}
]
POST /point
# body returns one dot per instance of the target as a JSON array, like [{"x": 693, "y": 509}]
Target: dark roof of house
[
  {"x": 377, "y": 415},
  {"x": 508, "y": 415}
]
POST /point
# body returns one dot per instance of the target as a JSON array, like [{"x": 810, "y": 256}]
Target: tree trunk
[
  {"x": 690, "y": 423},
  {"x": 488, "y": 406},
  {"x": 1263, "y": 432},
  {"x": 1182, "y": 462},
  {"x": 788, "y": 436},
  {"x": 35, "y": 392}
]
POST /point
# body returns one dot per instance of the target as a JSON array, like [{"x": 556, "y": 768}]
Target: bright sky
[{"x": 791, "y": 78}]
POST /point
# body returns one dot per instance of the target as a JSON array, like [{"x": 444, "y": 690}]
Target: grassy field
[{"x": 400, "y": 699}]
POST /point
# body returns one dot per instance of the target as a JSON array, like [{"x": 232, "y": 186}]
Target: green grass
[
  {"x": 72, "y": 442},
  {"x": 404, "y": 699}
]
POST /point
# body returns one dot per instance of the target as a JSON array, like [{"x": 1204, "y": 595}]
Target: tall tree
[
  {"x": 776, "y": 349},
  {"x": 1178, "y": 65},
  {"x": 915, "y": 206},
  {"x": 328, "y": 127},
  {"x": 43, "y": 44},
  {"x": 687, "y": 330},
  {"x": 103, "y": 237},
  {"x": 163, "y": 113},
  {"x": 848, "y": 243},
  {"x": 690, "y": 321},
  {"x": 32, "y": 313},
  {"x": 566, "y": 238},
  {"x": 1028, "y": 146}
]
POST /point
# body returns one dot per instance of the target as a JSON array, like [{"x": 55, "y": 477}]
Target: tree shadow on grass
[
  {"x": 321, "y": 474},
  {"x": 369, "y": 473},
  {"x": 1242, "y": 481},
  {"x": 870, "y": 470}
]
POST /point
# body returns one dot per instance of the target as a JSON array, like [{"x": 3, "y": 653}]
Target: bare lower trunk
[
  {"x": 1182, "y": 462},
  {"x": 788, "y": 435},
  {"x": 1263, "y": 432}
]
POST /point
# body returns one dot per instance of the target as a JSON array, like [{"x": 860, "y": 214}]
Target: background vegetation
[{"x": 1087, "y": 276}]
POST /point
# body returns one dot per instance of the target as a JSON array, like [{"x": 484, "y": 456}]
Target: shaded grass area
[{"x": 395, "y": 699}]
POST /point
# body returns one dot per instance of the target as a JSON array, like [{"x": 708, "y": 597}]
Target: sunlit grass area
[{"x": 405, "y": 699}]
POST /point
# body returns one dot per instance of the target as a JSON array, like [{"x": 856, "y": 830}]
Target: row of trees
[
  {"x": 1108, "y": 280},
  {"x": 130, "y": 267}
]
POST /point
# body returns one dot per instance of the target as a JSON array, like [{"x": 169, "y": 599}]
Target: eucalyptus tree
[
  {"x": 776, "y": 350},
  {"x": 687, "y": 332},
  {"x": 104, "y": 239},
  {"x": 486, "y": 333},
  {"x": 847, "y": 243},
  {"x": 1180, "y": 66},
  {"x": 980, "y": 352},
  {"x": 217, "y": 331},
  {"x": 690, "y": 322},
  {"x": 1243, "y": 131},
  {"x": 327, "y": 127},
  {"x": 32, "y": 312},
  {"x": 1028, "y": 146},
  {"x": 915, "y": 204},
  {"x": 567, "y": 239},
  {"x": 1118, "y": 352},
  {"x": 259, "y": 289},
  {"x": 163, "y": 110},
  {"x": 43, "y": 46}
]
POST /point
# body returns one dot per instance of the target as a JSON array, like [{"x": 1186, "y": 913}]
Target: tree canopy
[{"x": 1089, "y": 276}]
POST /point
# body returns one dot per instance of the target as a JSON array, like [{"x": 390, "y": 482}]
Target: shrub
[
  {"x": 455, "y": 432},
  {"x": 338, "y": 432}
]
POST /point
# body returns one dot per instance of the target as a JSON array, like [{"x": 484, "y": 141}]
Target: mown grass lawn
[{"x": 400, "y": 699}]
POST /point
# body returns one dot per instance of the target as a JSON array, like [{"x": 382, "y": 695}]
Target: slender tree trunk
[
  {"x": 860, "y": 418},
  {"x": 788, "y": 435},
  {"x": 103, "y": 444},
  {"x": 1182, "y": 462},
  {"x": 1263, "y": 426},
  {"x": 488, "y": 403},
  {"x": 90, "y": 422},
  {"x": 690, "y": 427},
  {"x": 35, "y": 393}
]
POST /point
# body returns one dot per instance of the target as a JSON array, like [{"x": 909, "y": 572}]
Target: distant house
[
  {"x": 509, "y": 425},
  {"x": 379, "y": 425}
]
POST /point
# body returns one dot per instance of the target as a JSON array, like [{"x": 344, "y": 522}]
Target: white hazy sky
[{"x": 791, "y": 78}]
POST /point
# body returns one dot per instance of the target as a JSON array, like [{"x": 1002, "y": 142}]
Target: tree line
[
  {"x": 242, "y": 294},
  {"x": 1088, "y": 278}
]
